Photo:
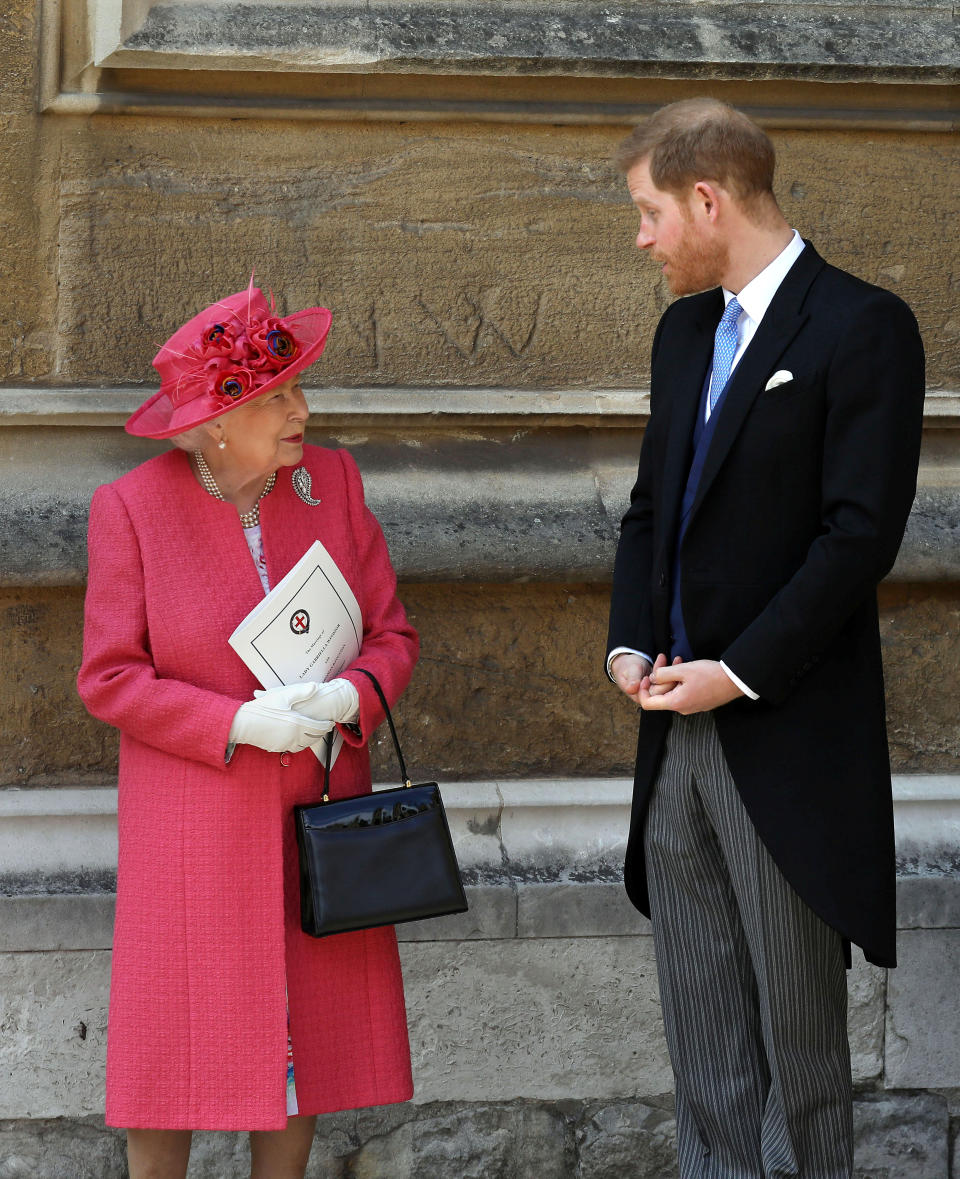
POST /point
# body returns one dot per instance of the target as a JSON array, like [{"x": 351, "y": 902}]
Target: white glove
[
  {"x": 336, "y": 702},
  {"x": 272, "y": 721}
]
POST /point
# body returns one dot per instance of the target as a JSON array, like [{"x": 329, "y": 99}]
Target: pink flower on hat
[
  {"x": 229, "y": 382},
  {"x": 274, "y": 340},
  {"x": 217, "y": 340}
]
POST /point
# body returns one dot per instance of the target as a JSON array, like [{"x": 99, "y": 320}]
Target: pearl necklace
[{"x": 248, "y": 519}]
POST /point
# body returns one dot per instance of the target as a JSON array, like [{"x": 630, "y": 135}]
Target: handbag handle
[{"x": 393, "y": 733}]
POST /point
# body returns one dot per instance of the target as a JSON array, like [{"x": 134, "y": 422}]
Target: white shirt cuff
[
  {"x": 624, "y": 651},
  {"x": 739, "y": 682}
]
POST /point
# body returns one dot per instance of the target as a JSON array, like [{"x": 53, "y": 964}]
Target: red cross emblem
[{"x": 300, "y": 622}]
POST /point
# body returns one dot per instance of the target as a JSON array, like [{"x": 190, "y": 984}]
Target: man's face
[{"x": 677, "y": 234}]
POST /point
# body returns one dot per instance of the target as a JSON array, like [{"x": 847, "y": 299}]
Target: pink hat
[{"x": 230, "y": 353}]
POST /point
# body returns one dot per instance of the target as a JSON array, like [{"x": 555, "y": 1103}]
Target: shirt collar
[{"x": 758, "y": 294}]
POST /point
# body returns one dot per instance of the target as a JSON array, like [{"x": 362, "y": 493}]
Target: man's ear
[{"x": 706, "y": 199}]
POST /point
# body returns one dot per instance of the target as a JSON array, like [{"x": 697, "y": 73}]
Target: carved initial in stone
[{"x": 480, "y": 320}]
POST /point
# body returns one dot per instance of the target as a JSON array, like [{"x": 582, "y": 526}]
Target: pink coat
[{"x": 207, "y": 932}]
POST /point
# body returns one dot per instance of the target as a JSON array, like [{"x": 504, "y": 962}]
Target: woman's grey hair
[{"x": 191, "y": 439}]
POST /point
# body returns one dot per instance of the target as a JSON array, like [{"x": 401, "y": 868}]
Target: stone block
[
  {"x": 53, "y": 1015},
  {"x": 492, "y": 915},
  {"x": 898, "y": 1136},
  {"x": 575, "y": 909},
  {"x": 866, "y": 993},
  {"x": 923, "y": 1015},
  {"x": 37, "y": 923},
  {"x": 920, "y": 636},
  {"x": 62, "y": 1148},
  {"x": 480, "y": 1142},
  {"x": 629, "y": 1140},
  {"x": 929, "y": 902},
  {"x": 901, "y": 1136},
  {"x": 478, "y": 645},
  {"x": 448, "y": 257},
  {"x": 551, "y": 1020}
]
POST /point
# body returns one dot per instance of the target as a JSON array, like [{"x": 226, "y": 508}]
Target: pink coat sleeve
[
  {"x": 390, "y": 644},
  {"x": 118, "y": 681}
]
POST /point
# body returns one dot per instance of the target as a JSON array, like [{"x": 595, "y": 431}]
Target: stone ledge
[
  {"x": 552, "y": 472},
  {"x": 396, "y": 406},
  {"x": 83, "y": 920},
  {"x": 41, "y": 923},
  {"x": 537, "y": 865},
  {"x": 835, "y": 41},
  {"x": 532, "y": 831}
]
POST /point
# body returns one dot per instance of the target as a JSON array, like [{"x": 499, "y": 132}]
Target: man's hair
[{"x": 702, "y": 139}]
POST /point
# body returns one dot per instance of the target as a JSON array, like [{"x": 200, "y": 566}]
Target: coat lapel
[
  {"x": 784, "y": 318},
  {"x": 686, "y": 387}
]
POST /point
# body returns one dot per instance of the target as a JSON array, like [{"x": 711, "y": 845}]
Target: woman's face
[{"x": 264, "y": 434}]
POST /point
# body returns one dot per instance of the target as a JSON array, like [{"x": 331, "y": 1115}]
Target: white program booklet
[{"x": 308, "y": 627}]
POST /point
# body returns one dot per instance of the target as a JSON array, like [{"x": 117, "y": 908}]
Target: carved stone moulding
[{"x": 428, "y": 59}]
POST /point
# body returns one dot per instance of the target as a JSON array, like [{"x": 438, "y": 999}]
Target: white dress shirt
[{"x": 754, "y": 299}]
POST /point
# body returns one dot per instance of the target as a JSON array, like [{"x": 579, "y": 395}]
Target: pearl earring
[{"x": 222, "y": 444}]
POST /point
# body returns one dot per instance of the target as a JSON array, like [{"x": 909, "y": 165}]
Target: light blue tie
[{"x": 724, "y": 350}]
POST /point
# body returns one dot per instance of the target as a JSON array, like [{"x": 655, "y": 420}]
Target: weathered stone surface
[
  {"x": 535, "y": 1019},
  {"x": 542, "y": 502},
  {"x": 571, "y": 909},
  {"x": 923, "y": 1016},
  {"x": 53, "y": 1022},
  {"x": 627, "y": 1140},
  {"x": 920, "y": 633},
  {"x": 37, "y": 923},
  {"x": 898, "y": 1136},
  {"x": 933, "y": 535},
  {"x": 448, "y": 255},
  {"x": 841, "y": 42},
  {"x": 27, "y": 277},
  {"x": 62, "y": 1148},
  {"x": 492, "y": 915},
  {"x": 901, "y": 1136},
  {"x": 490, "y": 1142},
  {"x": 489, "y": 1021},
  {"x": 866, "y": 996},
  {"x": 479, "y": 644},
  {"x": 43, "y": 725},
  {"x": 929, "y": 902},
  {"x": 530, "y": 661}
]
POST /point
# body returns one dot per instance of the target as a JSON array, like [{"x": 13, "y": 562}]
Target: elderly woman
[{"x": 223, "y": 1014}]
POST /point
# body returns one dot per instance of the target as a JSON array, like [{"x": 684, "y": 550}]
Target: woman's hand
[
  {"x": 272, "y": 720},
  {"x": 336, "y": 702}
]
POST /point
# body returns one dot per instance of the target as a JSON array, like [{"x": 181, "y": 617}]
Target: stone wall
[
  {"x": 457, "y": 210},
  {"x": 534, "y": 1018}
]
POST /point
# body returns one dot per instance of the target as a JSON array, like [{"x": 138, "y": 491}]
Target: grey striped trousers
[{"x": 752, "y": 983}]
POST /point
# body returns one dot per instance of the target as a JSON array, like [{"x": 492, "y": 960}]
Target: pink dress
[{"x": 207, "y": 942}]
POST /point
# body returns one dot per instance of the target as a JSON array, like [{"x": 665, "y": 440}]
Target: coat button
[{"x": 285, "y": 759}]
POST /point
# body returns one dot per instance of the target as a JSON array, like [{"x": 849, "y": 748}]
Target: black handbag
[{"x": 376, "y": 859}]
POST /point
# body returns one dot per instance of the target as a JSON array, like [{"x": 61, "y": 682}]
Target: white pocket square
[{"x": 779, "y": 378}]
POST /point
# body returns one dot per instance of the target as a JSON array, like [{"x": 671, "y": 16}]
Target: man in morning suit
[{"x": 775, "y": 480}]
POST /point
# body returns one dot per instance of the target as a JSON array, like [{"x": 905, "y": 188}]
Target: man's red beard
[{"x": 695, "y": 265}]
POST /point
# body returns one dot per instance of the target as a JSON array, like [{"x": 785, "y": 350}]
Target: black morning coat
[{"x": 799, "y": 513}]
